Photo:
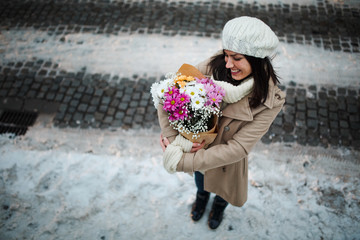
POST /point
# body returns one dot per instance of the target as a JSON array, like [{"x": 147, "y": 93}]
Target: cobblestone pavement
[{"x": 313, "y": 115}]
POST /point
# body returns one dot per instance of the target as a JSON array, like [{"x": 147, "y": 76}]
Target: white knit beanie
[{"x": 249, "y": 36}]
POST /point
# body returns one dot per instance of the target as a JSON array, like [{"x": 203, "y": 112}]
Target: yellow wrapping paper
[{"x": 209, "y": 136}]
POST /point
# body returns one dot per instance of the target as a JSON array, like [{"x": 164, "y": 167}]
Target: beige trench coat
[{"x": 225, "y": 161}]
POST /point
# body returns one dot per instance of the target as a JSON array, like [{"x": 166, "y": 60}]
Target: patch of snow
[
  {"x": 156, "y": 55},
  {"x": 112, "y": 185}
]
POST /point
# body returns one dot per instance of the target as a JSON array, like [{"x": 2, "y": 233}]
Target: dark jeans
[{"x": 199, "y": 181}]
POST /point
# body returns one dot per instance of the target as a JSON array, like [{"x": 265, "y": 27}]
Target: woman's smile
[
  {"x": 237, "y": 63},
  {"x": 235, "y": 72}
]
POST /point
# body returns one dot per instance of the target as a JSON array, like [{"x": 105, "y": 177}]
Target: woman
[{"x": 251, "y": 103}]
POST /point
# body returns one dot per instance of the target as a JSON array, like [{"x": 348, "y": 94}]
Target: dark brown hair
[{"x": 262, "y": 72}]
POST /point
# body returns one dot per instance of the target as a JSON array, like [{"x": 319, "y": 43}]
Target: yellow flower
[
  {"x": 182, "y": 84},
  {"x": 183, "y": 79}
]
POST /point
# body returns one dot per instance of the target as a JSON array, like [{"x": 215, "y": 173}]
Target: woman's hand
[
  {"x": 197, "y": 146},
  {"x": 164, "y": 142}
]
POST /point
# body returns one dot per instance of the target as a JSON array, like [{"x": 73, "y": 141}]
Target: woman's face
[{"x": 237, "y": 63}]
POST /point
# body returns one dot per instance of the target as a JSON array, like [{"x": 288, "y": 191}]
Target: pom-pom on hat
[{"x": 249, "y": 36}]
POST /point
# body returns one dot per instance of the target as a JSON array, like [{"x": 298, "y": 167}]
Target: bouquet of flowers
[{"x": 192, "y": 102}]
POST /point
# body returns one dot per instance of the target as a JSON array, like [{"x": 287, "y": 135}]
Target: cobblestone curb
[
  {"x": 313, "y": 115},
  {"x": 331, "y": 26}
]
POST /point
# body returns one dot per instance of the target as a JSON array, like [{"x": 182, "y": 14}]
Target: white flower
[
  {"x": 154, "y": 94},
  {"x": 197, "y": 102},
  {"x": 158, "y": 89},
  {"x": 201, "y": 89},
  {"x": 162, "y": 87},
  {"x": 195, "y": 90}
]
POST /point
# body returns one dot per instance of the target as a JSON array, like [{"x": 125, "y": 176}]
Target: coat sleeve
[
  {"x": 234, "y": 150},
  {"x": 166, "y": 129}
]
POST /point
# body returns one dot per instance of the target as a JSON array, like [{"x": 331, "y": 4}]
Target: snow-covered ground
[{"x": 99, "y": 184}]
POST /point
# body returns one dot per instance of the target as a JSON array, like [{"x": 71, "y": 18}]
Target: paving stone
[
  {"x": 111, "y": 111},
  {"x": 312, "y": 123},
  {"x": 77, "y": 117},
  {"x": 333, "y": 116},
  {"x": 311, "y": 104},
  {"x": 85, "y": 98},
  {"x": 288, "y": 127},
  {"x": 89, "y": 90},
  {"x": 312, "y": 113},
  {"x": 119, "y": 115},
  {"x": 300, "y": 123},
  {"x": 278, "y": 121},
  {"x": 345, "y": 133},
  {"x": 133, "y": 104},
  {"x": 106, "y": 100},
  {"x": 123, "y": 106},
  {"x": 323, "y": 112},
  {"x": 301, "y": 116},
  {"x": 334, "y": 124},
  {"x": 324, "y": 131},
  {"x": 344, "y": 124},
  {"x": 343, "y": 115},
  {"x": 130, "y": 111},
  {"x": 103, "y": 108},
  {"x": 99, "y": 116},
  {"x": 301, "y": 106},
  {"x": 119, "y": 94},
  {"x": 143, "y": 103},
  {"x": 89, "y": 118},
  {"x": 128, "y": 120},
  {"x": 98, "y": 92},
  {"x": 289, "y": 109},
  {"x": 136, "y": 96},
  {"x": 74, "y": 103},
  {"x": 91, "y": 109},
  {"x": 352, "y": 108},
  {"x": 289, "y": 138},
  {"x": 95, "y": 101},
  {"x": 126, "y": 98},
  {"x": 145, "y": 96},
  {"x": 116, "y": 123},
  {"x": 138, "y": 118},
  {"x": 333, "y": 107},
  {"x": 82, "y": 107},
  {"x": 108, "y": 119}
]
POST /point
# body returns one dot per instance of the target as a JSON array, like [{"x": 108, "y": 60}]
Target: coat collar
[{"x": 241, "y": 110}]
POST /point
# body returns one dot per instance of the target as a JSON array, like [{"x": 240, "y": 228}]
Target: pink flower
[
  {"x": 220, "y": 91},
  {"x": 181, "y": 114},
  {"x": 172, "y": 118},
  {"x": 214, "y": 98},
  {"x": 171, "y": 91},
  {"x": 171, "y": 103},
  {"x": 209, "y": 88},
  {"x": 203, "y": 80},
  {"x": 183, "y": 99}
]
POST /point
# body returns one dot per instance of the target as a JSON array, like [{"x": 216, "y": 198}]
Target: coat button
[{"x": 227, "y": 128}]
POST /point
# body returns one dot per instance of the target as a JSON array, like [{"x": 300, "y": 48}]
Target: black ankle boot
[
  {"x": 198, "y": 207},
  {"x": 217, "y": 213}
]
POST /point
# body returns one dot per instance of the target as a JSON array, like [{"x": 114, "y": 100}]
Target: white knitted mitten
[
  {"x": 171, "y": 157},
  {"x": 182, "y": 142}
]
